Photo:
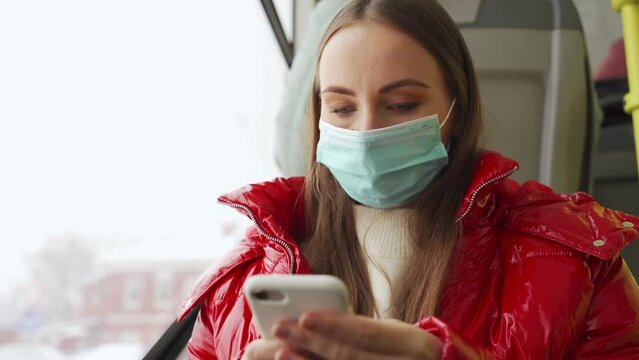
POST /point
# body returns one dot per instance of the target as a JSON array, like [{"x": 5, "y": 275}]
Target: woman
[{"x": 444, "y": 256}]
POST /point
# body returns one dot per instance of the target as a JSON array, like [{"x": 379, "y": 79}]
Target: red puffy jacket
[{"x": 538, "y": 274}]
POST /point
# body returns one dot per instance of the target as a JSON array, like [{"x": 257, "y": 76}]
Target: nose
[{"x": 367, "y": 120}]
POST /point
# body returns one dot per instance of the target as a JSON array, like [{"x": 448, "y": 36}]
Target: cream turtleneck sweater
[{"x": 384, "y": 234}]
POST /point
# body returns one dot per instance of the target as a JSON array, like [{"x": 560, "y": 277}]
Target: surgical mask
[{"x": 384, "y": 168}]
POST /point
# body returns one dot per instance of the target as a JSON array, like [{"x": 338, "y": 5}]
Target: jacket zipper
[
  {"x": 259, "y": 228},
  {"x": 474, "y": 196}
]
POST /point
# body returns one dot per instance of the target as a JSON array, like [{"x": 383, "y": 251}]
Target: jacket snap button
[
  {"x": 598, "y": 243},
  {"x": 628, "y": 224}
]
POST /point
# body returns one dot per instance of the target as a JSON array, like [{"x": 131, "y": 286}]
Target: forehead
[{"x": 371, "y": 53}]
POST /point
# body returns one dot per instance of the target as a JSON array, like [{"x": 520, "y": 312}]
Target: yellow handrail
[{"x": 630, "y": 19}]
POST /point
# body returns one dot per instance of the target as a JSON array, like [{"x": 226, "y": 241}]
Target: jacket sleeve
[
  {"x": 612, "y": 328},
  {"x": 211, "y": 341},
  {"x": 223, "y": 328},
  {"x": 541, "y": 318},
  {"x": 201, "y": 346},
  {"x": 224, "y": 325}
]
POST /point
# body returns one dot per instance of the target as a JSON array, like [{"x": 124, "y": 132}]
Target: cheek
[{"x": 325, "y": 113}]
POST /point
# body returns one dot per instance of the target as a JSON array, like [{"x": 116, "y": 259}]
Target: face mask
[{"x": 386, "y": 167}]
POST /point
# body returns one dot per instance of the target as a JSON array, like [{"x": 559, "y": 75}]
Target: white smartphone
[{"x": 287, "y": 297}]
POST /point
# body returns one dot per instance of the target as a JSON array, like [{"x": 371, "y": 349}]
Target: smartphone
[{"x": 287, "y": 297}]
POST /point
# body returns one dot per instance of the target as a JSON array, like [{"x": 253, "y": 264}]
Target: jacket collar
[
  {"x": 491, "y": 169},
  {"x": 277, "y": 207}
]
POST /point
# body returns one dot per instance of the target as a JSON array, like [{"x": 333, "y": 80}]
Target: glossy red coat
[{"x": 538, "y": 274}]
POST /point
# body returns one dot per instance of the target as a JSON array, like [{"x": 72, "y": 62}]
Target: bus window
[{"x": 120, "y": 124}]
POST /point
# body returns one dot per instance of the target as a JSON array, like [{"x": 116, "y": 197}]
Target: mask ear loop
[
  {"x": 444, "y": 122},
  {"x": 450, "y": 109}
]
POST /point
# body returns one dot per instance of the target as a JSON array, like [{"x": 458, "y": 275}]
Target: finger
[
  {"x": 288, "y": 354},
  {"x": 377, "y": 336},
  {"x": 292, "y": 351},
  {"x": 305, "y": 341},
  {"x": 317, "y": 346},
  {"x": 263, "y": 349}
]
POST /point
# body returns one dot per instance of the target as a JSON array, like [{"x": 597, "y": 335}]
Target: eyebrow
[
  {"x": 386, "y": 88},
  {"x": 404, "y": 82}
]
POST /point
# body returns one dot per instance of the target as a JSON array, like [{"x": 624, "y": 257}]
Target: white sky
[{"x": 125, "y": 119}]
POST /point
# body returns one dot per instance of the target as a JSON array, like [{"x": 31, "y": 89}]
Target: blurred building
[{"x": 135, "y": 297}]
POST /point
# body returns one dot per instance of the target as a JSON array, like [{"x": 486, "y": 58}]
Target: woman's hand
[
  {"x": 344, "y": 336},
  {"x": 263, "y": 349}
]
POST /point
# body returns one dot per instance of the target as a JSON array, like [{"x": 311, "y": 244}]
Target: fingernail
[{"x": 282, "y": 331}]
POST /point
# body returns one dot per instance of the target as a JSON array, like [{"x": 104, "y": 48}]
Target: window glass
[
  {"x": 163, "y": 288},
  {"x": 602, "y": 26},
  {"x": 121, "y": 122}
]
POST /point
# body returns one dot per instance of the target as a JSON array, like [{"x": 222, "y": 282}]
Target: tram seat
[
  {"x": 540, "y": 108},
  {"x": 539, "y": 103},
  {"x": 615, "y": 168}
]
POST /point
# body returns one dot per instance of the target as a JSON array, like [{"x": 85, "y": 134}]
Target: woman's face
[{"x": 372, "y": 76}]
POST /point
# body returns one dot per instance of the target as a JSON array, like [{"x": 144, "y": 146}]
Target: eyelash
[
  {"x": 400, "y": 107},
  {"x": 342, "y": 110},
  {"x": 404, "y": 107}
]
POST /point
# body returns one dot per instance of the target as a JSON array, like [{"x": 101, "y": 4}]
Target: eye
[
  {"x": 403, "y": 107},
  {"x": 342, "y": 110}
]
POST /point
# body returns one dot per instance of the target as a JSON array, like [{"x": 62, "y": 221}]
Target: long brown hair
[{"x": 331, "y": 246}]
